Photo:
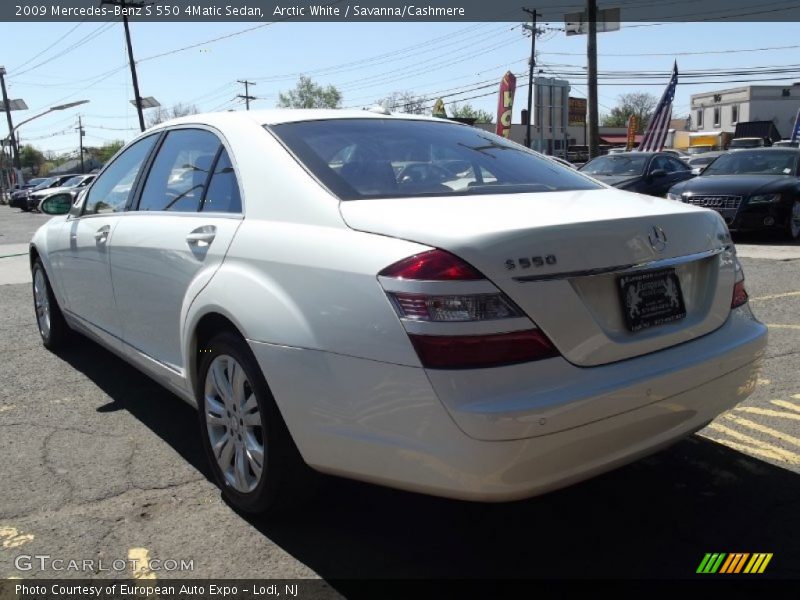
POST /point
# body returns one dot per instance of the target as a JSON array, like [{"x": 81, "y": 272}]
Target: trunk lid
[{"x": 584, "y": 241}]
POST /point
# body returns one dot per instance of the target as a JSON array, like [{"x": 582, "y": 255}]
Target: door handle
[
  {"x": 202, "y": 236},
  {"x": 101, "y": 235}
]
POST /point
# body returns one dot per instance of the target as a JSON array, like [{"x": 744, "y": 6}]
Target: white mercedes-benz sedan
[{"x": 398, "y": 299}]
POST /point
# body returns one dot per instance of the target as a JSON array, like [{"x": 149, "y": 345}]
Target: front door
[{"x": 84, "y": 258}]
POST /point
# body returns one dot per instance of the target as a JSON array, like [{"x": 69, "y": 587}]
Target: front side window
[
  {"x": 178, "y": 177},
  {"x": 397, "y": 158},
  {"x": 114, "y": 186}
]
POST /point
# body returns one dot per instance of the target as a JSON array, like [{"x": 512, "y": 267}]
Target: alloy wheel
[
  {"x": 42, "y": 303},
  {"x": 233, "y": 420}
]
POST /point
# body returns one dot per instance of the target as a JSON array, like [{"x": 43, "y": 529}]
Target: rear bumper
[{"x": 385, "y": 424}]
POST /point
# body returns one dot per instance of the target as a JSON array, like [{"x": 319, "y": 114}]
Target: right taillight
[
  {"x": 739, "y": 293},
  {"x": 439, "y": 297}
]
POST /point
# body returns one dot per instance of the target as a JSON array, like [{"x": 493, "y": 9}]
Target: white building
[{"x": 722, "y": 110}]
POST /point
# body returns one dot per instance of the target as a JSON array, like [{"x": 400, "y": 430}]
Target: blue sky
[{"x": 366, "y": 61}]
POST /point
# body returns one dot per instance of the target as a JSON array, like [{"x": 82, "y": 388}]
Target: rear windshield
[{"x": 388, "y": 158}]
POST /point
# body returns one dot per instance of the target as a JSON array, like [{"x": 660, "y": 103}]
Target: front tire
[
  {"x": 53, "y": 329},
  {"x": 249, "y": 448}
]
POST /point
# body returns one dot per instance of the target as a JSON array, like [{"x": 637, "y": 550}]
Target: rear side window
[
  {"x": 223, "y": 190},
  {"x": 113, "y": 188},
  {"x": 391, "y": 158},
  {"x": 178, "y": 177}
]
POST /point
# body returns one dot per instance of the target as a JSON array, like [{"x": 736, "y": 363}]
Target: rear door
[{"x": 174, "y": 239}]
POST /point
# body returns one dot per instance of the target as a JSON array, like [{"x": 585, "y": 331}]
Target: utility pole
[
  {"x": 80, "y": 141},
  {"x": 591, "y": 55},
  {"x": 7, "y": 106},
  {"x": 126, "y": 5},
  {"x": 531, "y": 66},
  {"x": 247, "y": 97}
]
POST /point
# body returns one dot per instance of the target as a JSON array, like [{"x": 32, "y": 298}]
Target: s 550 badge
[{"x": 530, "y": 261}]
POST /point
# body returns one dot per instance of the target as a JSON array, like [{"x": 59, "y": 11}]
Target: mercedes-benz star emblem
[{"x": 657, "y": 238}]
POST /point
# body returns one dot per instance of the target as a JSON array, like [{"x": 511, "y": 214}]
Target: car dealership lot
[{"x": 102, "y": 463}]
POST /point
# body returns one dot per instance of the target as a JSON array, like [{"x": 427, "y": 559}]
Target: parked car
[
  {"x": 562, "y": 162},
  {"x": 330, "y": 296},
  {"x": 786, "y": 144},
  {"x": 31, "y": 183},
  {"x": 751, "y": 189},
  {"x": 677, "y": 153},
  {"x": 19, "y": 199},
  {"x": 699, "y": 162},
  {"x": 73, "y": 185},
  {"x": 650, "y": 173}
]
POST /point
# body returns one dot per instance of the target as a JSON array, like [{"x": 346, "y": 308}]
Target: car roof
[{"x": 277, "y": 116}]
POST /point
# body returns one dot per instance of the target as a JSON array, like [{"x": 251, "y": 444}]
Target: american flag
[{"x": 656, "y": 134}]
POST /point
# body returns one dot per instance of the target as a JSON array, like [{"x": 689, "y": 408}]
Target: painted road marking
[
  {"x": 789, "y": 405},
  {"x": 12, "y": 538},
  {"x": 747, "y": 449},
  {"x": 140, "y": 563},
  {"x": 784, "y": 437},
  {"x": 774, "y": 296},
  {"x": 768, "y": 413},
  {"x": 781, "y": 326},
  {"x": 756, "y": 446},
  {"x": 761, "y": 381}
]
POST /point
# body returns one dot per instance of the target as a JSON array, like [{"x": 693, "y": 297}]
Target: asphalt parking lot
[{"x": 102, "y": 463}]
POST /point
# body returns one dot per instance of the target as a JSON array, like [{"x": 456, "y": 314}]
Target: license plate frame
[{"x": 651, "y": 299}]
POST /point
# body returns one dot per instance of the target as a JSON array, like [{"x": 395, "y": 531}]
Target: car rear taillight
[
  {"x": 434, "y": 265},
  {"x": 440, "y": 299},
  {"x": 739, "y": 293}
]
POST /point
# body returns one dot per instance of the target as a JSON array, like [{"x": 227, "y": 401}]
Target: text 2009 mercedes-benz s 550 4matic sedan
[{"x": 397, "y": 299}]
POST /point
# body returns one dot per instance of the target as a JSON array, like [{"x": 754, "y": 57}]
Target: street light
[{"x": 47, "y": 112}]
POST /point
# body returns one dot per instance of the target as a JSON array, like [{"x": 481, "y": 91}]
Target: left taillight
[
  {"x": 739, "y": 292},
  {"x": 441, "y": 299}
]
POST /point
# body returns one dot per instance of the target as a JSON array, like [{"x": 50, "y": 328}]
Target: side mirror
[
  {"x": 57, "y": 204},
  {"x": 658, "y": 173},
  {"x": 697, "y": 170}
]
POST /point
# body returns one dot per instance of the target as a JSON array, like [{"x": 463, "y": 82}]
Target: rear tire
[
  {"x": 250, "y": 451},
  {"x": 793, "y": 226},
  {"x": 53, "y": 329}
]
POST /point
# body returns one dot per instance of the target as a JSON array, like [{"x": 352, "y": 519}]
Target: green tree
[
  {"x": 106, "y": 151},
  {"x": 640, "y": 104},
  {"x": 404, "y": 102},
  {"x": 30, "y": 158},
  {"x": 308, "y": 94},
  {"x": 467, "y": 111}
]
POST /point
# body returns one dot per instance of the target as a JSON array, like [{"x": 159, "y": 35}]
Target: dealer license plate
[{"x": 651, "y": 298}]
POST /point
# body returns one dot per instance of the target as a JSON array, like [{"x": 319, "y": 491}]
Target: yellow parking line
[
  {"x": 785, "y": 404},
  {"x": 12, "y": 538},
  {"x": 784, "y": 437},
  {"x": 782, "y": 326},
  {"x": 773, "y": 296},
  {"x": 746, "y": 449},
  {"x": 140, "y": 563},
  {"x": 769, "y": 413},
  {"x": 763, "y": 447},
  {"x": 761, "y": 381}
]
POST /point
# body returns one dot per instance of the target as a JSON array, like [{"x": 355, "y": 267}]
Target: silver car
[{"x": 398, "y": 299}]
